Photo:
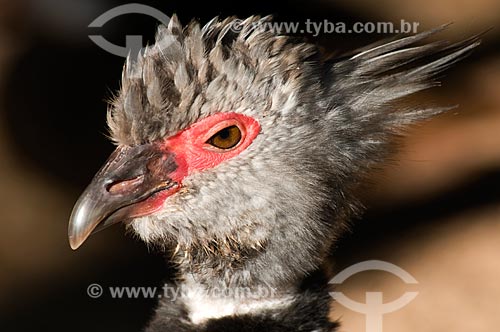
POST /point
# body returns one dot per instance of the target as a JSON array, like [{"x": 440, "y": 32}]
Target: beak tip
[
  {"x": 81, "y": 223},
  {"x": 74, "y": 243}
]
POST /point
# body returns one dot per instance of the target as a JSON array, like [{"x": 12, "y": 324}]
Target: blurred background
[{"x": 434, "y": 210}]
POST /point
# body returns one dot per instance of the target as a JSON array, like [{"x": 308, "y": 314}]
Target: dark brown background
[{"x": 435, "y": 212}]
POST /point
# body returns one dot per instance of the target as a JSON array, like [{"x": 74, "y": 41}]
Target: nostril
[{"x": 124, "y": 186}]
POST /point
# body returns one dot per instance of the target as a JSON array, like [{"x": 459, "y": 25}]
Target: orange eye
[{"x": 226, "y": 138}]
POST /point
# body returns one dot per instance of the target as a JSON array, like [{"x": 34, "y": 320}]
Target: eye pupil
[
  {"x": 226, "y": 138},
  {"x": 224, "y": 133}
]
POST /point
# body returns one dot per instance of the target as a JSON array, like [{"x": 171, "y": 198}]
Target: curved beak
[{"x": 131, "y": 175}]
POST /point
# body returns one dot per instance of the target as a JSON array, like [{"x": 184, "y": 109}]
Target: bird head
[{"x": 239, "y": 149}]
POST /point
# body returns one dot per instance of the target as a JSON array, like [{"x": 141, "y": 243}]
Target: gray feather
[{"x": 279, "y": 206}]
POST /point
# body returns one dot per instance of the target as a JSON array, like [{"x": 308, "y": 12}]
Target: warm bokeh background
[{"x": 435, "y": 211}]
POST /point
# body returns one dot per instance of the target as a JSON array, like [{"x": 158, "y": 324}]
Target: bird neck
[
  {"x": 205, "y": 302},
  {"x": 205, "y": 305}
]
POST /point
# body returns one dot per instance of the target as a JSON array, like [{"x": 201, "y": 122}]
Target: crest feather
[{"x": 193, "y": 71}]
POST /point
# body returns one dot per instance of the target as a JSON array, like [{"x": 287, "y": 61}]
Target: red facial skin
[{"x": 193, "y": 154}]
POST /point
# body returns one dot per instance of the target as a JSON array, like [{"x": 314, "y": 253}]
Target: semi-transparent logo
[{"x": 374, "y": 307}]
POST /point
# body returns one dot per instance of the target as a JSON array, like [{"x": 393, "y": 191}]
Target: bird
[{"x": 238, "y": 154}]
